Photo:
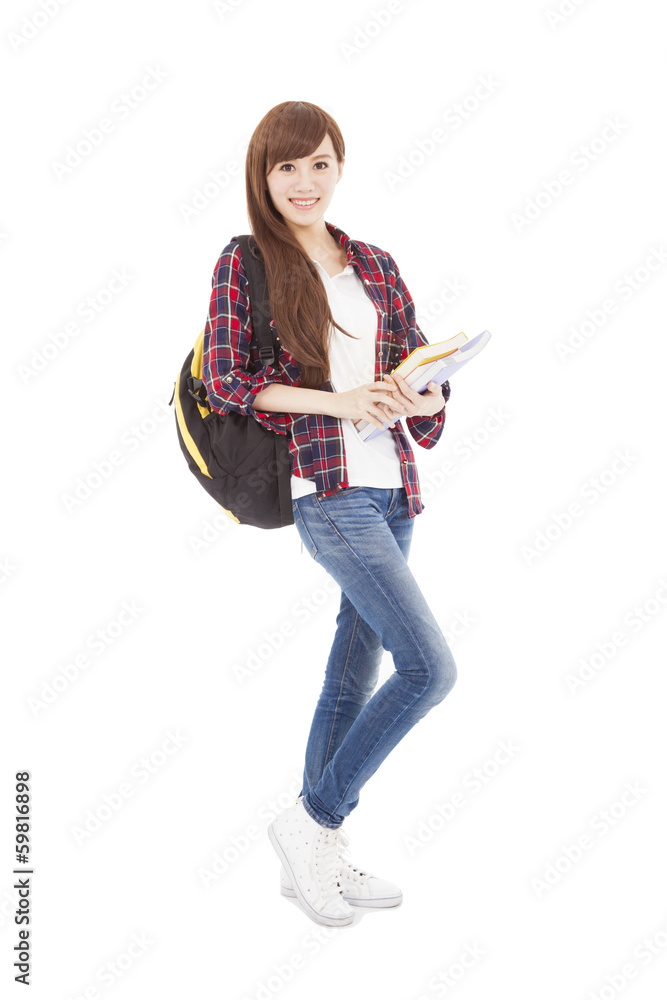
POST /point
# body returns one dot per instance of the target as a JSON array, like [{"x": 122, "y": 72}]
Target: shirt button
[{"x": 230, "y": 378}]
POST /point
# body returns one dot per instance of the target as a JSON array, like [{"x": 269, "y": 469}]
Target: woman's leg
[
  {"x": 355, "y": 536},
  {"x": 350, "y": 677}
]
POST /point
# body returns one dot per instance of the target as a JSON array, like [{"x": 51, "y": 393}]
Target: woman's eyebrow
[{"x": 314, "y": 156}]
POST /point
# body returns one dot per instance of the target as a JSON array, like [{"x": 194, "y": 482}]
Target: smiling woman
[
  {"x": 307, "y": 185},
  {"x": 300, "y": 187},
  {"x": 343, "y": 319}
]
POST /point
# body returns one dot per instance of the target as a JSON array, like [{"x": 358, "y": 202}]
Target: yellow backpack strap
[{"x": 196, "y": 370}]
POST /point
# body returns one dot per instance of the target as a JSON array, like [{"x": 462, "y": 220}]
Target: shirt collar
[{"x": 350, "y": 246}]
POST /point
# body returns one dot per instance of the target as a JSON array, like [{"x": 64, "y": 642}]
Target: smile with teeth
[{"x": 304, "y": 202}]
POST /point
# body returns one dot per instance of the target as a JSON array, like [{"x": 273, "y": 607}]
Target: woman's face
[{"x": 310, "y": 179}]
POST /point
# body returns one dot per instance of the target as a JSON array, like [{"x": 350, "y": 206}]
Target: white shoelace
[
  {"x": 344, "y": 857},
  {"x": 328, "y": 862}
]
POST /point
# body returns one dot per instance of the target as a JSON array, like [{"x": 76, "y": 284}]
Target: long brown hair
[{"x": 298, "y": 299}]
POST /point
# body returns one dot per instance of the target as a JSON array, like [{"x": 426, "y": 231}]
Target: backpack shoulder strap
[{"x": 260, "y": 306}]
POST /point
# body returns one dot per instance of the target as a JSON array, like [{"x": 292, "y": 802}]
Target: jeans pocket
[{"x": 339, "y": 494}]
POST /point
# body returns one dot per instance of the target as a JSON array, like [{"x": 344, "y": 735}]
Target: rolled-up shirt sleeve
[
  {"x": 226, "y": 363},
  {"x": 425, "y": 430}
]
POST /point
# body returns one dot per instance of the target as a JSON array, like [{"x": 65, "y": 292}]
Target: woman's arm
[
  {"x": 279, "y": 398},
  {"x": 229, "y": 383},
  {"x": 363, "y": 401},
  {"x": 226, "y": 357}
]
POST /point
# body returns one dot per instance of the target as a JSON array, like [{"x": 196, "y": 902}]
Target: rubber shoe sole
[{"x": 392, "y": 897}]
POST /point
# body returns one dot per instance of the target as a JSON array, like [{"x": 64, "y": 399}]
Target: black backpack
[{"x": 243, "y": 465}]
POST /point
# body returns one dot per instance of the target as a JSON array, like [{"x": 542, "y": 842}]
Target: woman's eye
[{"x": 319, "y": 162}]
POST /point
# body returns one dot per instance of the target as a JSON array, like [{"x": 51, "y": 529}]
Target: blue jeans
[{"x": 361, "y": 536}]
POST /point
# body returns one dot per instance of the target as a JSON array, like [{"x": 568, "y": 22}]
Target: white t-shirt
[{"x": 369, "y": 463}]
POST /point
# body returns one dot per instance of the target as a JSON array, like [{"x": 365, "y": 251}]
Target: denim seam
[
  {"x": 313, "y": 546},
  {"x": 342, "y": 682},
  {"x": 375, "y": 745}
]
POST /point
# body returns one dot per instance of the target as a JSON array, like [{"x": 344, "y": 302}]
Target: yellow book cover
[{"x": 429, "y": 353}]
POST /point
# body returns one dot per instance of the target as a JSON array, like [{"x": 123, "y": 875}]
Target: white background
[{"x": 529, "y": 433}]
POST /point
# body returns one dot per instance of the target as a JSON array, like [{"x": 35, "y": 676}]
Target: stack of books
[{"x": 431, "y": 363}]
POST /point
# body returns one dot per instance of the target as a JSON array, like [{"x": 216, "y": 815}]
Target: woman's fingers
[
  {"x": 402, "y": 388},
  {"x": 383, "y": 405},
  {"x": 410, "y": 400},
  {"x": 380, "y": 394}
]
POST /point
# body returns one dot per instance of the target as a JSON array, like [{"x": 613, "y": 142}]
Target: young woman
[{"x": 344, "y": 319}]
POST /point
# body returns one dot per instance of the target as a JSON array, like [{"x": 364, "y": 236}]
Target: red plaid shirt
[{"x": 316, "y": 447}]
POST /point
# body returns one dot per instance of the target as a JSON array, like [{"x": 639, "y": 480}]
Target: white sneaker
[
  {"x": 359, "y": 888},
  {"x": 309, "y": 853}
]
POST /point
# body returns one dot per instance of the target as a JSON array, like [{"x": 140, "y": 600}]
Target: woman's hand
[
  {"x": 371, "y": 401},
  {"x": 415, "y": 404}
]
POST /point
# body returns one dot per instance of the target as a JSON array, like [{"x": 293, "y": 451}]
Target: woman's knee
[{"x": 442, "y": 677}]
